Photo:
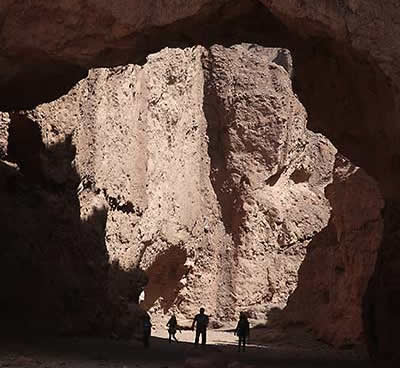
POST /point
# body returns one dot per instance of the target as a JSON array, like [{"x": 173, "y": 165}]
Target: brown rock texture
[
  {"x": 368, "y": 28},
  {"x": 336, "y": 270},
  {"x": 267, "y": 170},
  {"x": 51, "y": 45},
  {"x": 4, "y": 122},
  {"x": 194, "y": 175},
  {"x": 80, "y": 31}
]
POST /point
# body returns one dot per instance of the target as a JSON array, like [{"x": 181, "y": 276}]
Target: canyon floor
[{"x": 290, "y": 349}]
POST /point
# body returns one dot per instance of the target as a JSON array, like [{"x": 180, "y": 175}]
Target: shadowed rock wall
[
  {"x": 359, "y": 112},
  {"x": 337, "y": 268},
  {"x": 210, "y": 182}
]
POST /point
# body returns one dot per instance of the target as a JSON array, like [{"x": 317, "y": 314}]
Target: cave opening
[{"x": 348, "y": 100}]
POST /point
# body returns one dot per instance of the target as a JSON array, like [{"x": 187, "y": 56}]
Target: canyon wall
[
  {"x": 333, "y": 278},
  {"x": 195, "y": 177},
  {"x": 347, "y": 76}
]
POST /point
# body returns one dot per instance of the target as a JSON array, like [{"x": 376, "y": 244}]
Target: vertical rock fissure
[{"x": 219, "y": 148}]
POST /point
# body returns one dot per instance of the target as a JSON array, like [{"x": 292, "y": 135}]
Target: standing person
[
  {"x": 146, "y": 330},
  {"x": 242, "y": 330},
  {"x": 172, "y": 327},
  {"x": 201, "y": 321}
]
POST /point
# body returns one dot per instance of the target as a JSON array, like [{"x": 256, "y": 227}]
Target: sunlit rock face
[
  {"x": 195, "y": 177},
  {"x": 347, "y": 75}
]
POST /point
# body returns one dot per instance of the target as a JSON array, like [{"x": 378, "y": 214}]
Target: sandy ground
[{"x": 91, "y": 353}]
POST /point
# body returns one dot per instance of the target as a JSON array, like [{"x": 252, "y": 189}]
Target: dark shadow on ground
[{"x": 99, "y": 352}]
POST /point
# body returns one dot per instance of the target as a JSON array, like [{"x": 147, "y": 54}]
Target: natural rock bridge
[{"x": 247, "y": 146}]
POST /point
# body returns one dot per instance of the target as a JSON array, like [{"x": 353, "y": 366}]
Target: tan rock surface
[
  {"x": 262, "y": 156},
  {"x": 47, "y": 41},
  {"x": 198, "y": 169},
  {"x": 334, "y": 274},
  {"x": 4, "y": 121}
]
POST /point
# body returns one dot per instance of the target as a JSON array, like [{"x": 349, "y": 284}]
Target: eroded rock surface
[
  {"x": 196, "y": 176},
  {"x": 267, "y": 170},
  {"x": 52, "y": 45},
  {"x": 337, "y": 268},
  {"x": 82, "y": 31}
]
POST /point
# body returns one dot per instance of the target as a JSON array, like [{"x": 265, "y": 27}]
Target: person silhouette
[
  {"x": 172, "y": 328},
  {"x": 242, "y": 330},
  {"x": 146, "y": 330},
  {"x": 201, "y": 322}
]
